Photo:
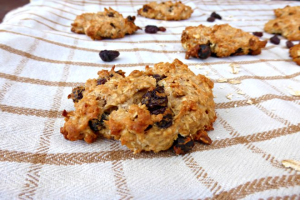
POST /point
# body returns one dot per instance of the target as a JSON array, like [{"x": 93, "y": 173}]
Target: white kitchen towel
[{"x": 258, "y": 122}]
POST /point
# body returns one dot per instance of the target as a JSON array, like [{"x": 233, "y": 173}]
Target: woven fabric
[{"x": 258, "y": 122}]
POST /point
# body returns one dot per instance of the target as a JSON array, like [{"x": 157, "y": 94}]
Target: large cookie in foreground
[
  {"x": 147, "y": 110},
  {"x": 166, "y": 11},
  {"x": 295, "y": 53},
  {"x": 107, "y": 24},
  {"x": 287, "y": 26},
  {"x": 219, "y": 40}
]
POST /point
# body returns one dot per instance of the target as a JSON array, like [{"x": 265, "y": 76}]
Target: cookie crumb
[{"x": 241, "y": 92}]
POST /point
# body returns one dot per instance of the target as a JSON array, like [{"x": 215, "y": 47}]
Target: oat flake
[
  {"x": 292, "y": 164},
  {"x": 232, "y": 81}
]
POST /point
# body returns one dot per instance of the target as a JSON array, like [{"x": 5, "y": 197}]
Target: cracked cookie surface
[
  {"x": 223, "y": 40},
  {"x": 166, "y": 11},
  {"x": 288, "y": 26},
  {"x": 295, "y": 53},
  {"x": 287, "y": 10},
  {"x": 146, "y": 110},
  {"x": 107, "y": 24}
]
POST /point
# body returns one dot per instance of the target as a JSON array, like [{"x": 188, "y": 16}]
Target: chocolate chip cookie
[
  {"x": 287, "y": 10},
  {"x": 107, "y": 24},
  {"x": 288, "y": 26},
  {"x": 219, "y": 40},
  {"x": 166, "y": 11},
  {"x": 295, "y": 53},
  {"x": 147, "y": 110}
]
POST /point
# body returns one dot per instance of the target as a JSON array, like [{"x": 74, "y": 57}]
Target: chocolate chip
[
  {"x": 96, "y": 125},
  {"x": 275, "y": 39},
  {"x": 162, "y": 29},
  {"x": 166, "y": 121},
  {"x": 210, "y": 19},
  {"x": 146, "y": 8},
  {"x": 216, "y": 15},
  {"x": 289, "y": 44},
  {"x": 110, "y": 14},
  {"x": 204, "y": 51},
  {"x": 77, "y": 94},
  {"x": 258, "y": 34},
  {"x": 170, "y": 9},
  {"x": 108, "y": 56},
  {"x": 101, "y": 81},
  {"x": 155, "y": 100},
  {"x": 151, "y": 29},
  {"x": 158, "y": 77},
  {"x": 131, "y": 18},
  {"x": 112, "y": 25},
  {"x": 183, "y": 145}
]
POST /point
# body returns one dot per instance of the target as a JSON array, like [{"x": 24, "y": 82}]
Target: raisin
[
  {"x": 275, "y": 39},
  {"x": 120, "y": 72},
  {"x": 155, "y": 100},
  {"x": 148, "y": 128},
  {"x": 112, "y": 25},
  {"x": 204, "y": 51},
  {"x": 289, "y": 44},
  {"x": 170, "y": 9},
  {"x": 96, "y": 125},
  {"x": 108, "y": 56},
  {"x": 77, "y": 94},
  {"x": 216, "y": 15},
  {"x": 110, "y": 14},
  {"x": 183, "y": 145},
  {"x": 158, "y": 77},
  {"x": 258, "y": 34},
  {"x": 162, "y": 29},
  {"x": 151, "y": 29},
  {"x": 166, "y": 121},
  {"x": 131, "y": 18},
  {"x": 146, "y": 8},
  {"x": 210, "y": 19},
  {"x": 101, "y": 81}
]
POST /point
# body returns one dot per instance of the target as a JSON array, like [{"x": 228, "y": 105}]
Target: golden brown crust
[
  {"x": 295, "y": 53},
  {"x": 107, "y": 24},
  {"x": 287, "y": 10},
  {"x": 121, "y": 109},
  {"x": 223, "y": 40},
  {"x": 166, "y": 11},
  {"x": 288, "y": 26}
]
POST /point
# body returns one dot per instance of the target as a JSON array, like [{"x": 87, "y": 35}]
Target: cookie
[
  {"x": 166, "y": 11},
  {"x": 287, "y": 26},
  {"x": 220, "y": 40},
  {"x": 286, "y": 11},
  {"x": 295, "y": 53},
  {"x": 107, "y": 24},
  {"x": 146, "y": 110}
]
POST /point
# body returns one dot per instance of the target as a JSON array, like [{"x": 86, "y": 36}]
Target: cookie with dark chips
[
  {"x": 107, "y": 24},
  {"x": 219, "y": 40},
  {"x": 295, "y": 53},
  {"x": 166, "y": 11},
  {"x": 287, "y": 10},
  {"x": 288, "y": 26},
  {"x": 146, "y": 110}
]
